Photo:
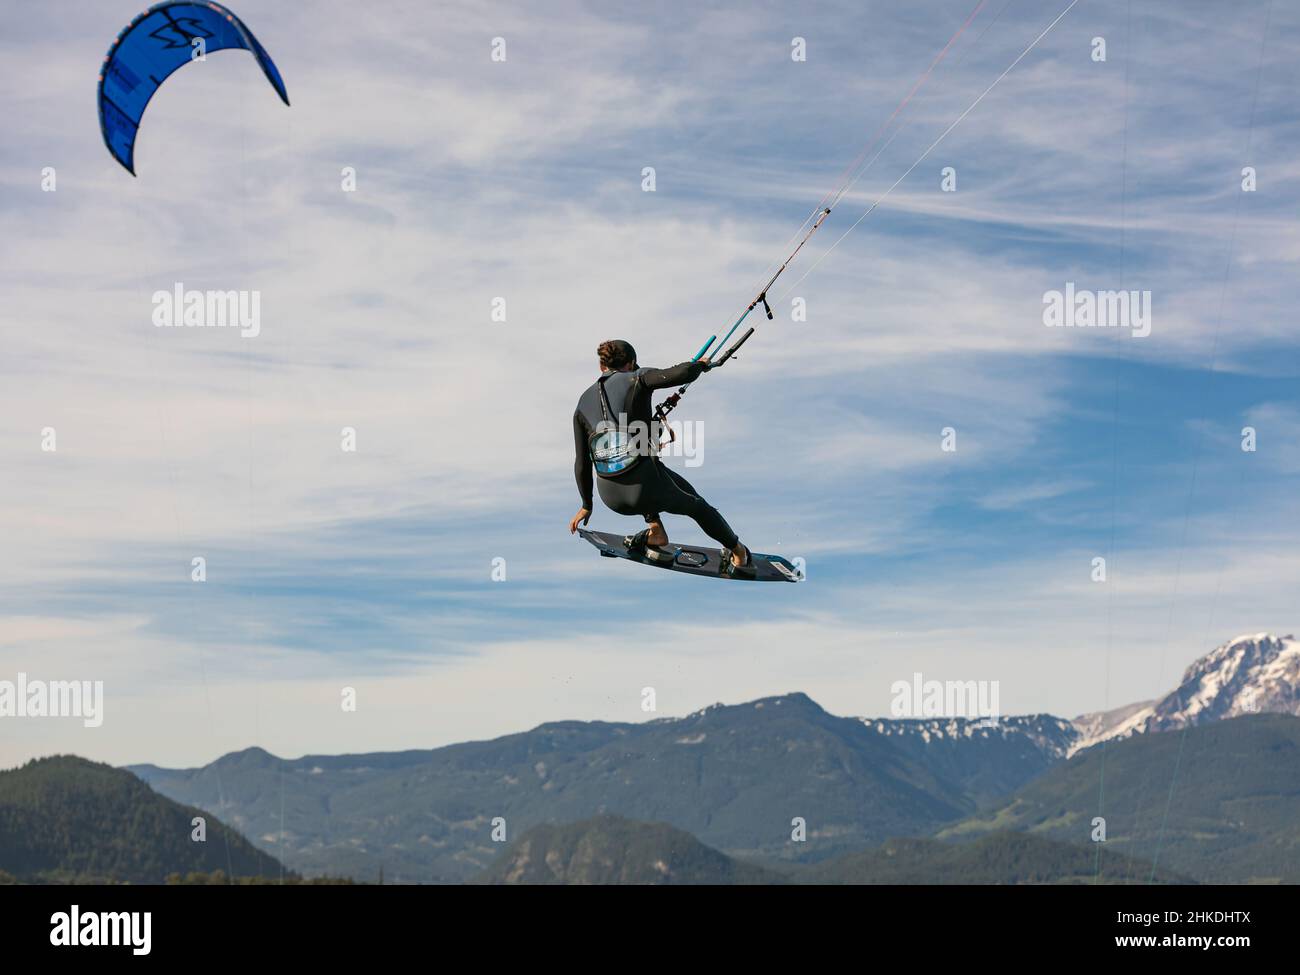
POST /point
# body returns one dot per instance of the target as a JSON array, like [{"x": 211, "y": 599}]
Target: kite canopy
[{"x": 149, "y": 49}]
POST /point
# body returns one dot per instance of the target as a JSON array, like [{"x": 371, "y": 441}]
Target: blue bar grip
[{"x": 736, "y": 326}]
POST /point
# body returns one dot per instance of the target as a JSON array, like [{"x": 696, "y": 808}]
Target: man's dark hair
[{"x": 615, "y": 354}]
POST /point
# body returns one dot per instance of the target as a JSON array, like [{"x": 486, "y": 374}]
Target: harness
[{"x": 613, "y": 451}]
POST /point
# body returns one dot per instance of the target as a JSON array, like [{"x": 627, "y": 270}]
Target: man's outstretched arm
[{"x": 684, "y": 372}]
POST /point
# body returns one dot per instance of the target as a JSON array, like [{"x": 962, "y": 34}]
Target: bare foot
[
  {"x": 658, "y": 535},
  {"x": 739, "y": 555}
]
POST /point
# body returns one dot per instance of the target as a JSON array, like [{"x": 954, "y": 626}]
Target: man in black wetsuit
[{"x": 632, "y": 480}]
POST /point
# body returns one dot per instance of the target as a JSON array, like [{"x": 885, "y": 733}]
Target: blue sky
[{"x": 522, "y": 180}]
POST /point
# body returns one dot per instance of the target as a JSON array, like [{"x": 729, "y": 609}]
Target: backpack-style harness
[{"x": 613, "y": 451}]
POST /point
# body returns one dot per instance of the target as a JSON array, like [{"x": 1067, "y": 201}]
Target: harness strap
[{"x": 605, "y": 408}]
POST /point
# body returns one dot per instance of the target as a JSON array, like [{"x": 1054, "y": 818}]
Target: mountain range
[
  {"x": 737, "y": 777},
  {"x": 733, "y": 776}
]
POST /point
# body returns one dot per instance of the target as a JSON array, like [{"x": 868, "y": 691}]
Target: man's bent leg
[{"x": 679, "y": 498}]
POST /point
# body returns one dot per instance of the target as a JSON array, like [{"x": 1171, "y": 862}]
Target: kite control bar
[
  {"x": 668, "y": 405},
  {"x": 734, "y": 349}
]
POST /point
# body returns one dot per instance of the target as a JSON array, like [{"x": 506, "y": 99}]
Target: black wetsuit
[{"x": 648, "y": 487}]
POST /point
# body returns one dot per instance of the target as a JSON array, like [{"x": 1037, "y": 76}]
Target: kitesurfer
[{"x": 632, "y": 480}]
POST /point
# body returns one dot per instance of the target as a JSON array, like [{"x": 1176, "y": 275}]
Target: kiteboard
[{"x": 694, "y": 559}]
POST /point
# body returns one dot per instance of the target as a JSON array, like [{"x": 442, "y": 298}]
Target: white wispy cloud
[{"x": 522, "y": 181}]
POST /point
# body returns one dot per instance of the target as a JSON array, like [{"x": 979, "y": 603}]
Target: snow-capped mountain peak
[{"x": 1252, "y": 674}]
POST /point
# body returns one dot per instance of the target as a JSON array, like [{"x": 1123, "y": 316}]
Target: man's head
[{"x": 616, "y": 355}]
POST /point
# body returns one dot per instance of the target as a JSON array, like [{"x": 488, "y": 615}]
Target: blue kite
[{"x": 150, "y": 48}]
